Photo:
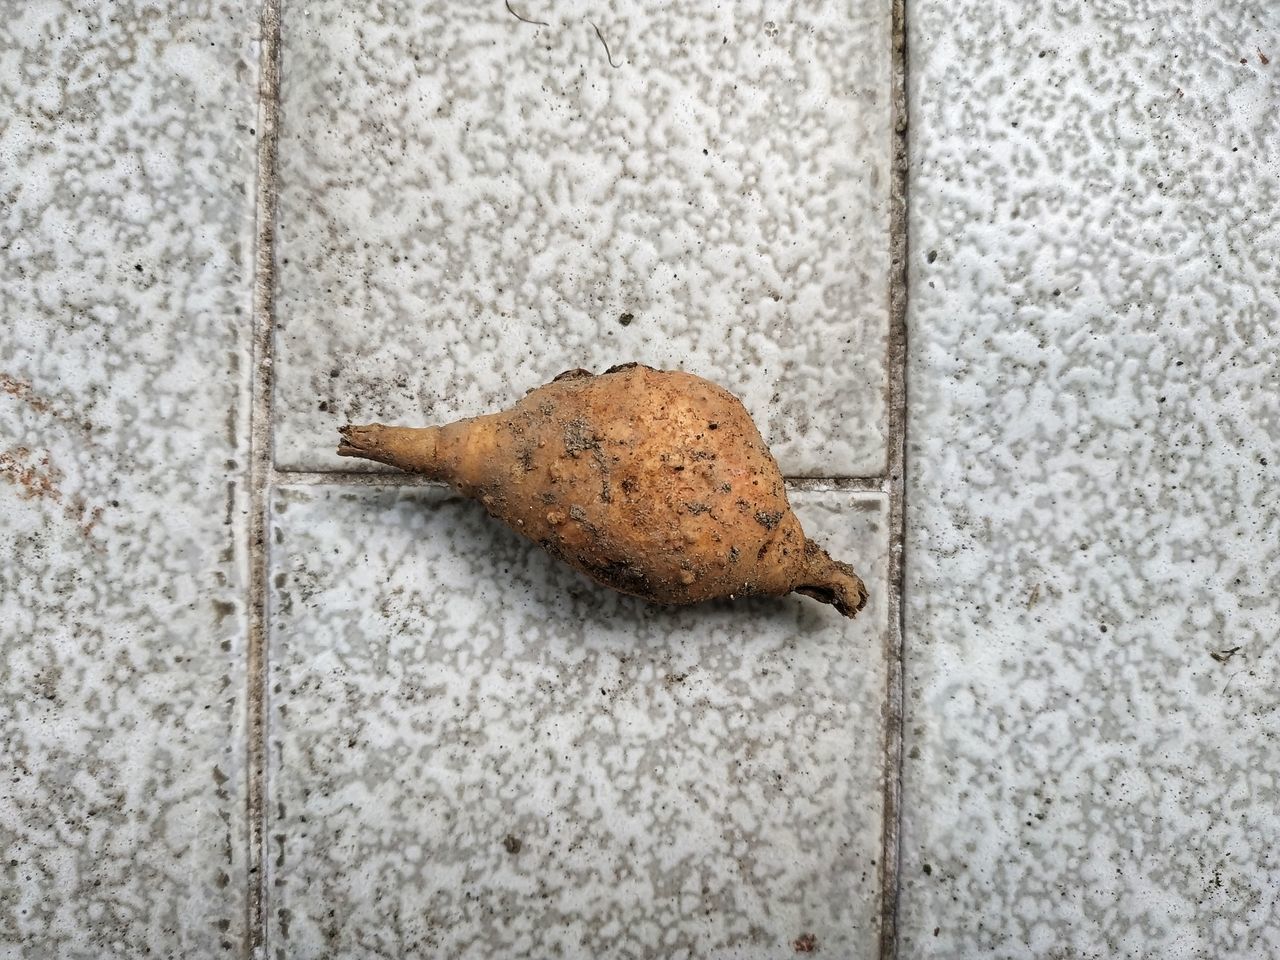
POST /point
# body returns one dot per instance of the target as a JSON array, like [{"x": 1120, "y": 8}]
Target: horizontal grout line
[
  {"x": 356, "y": 478},
  {"x": 371, "y": 478},
  {"x": 836, "y": 484}
]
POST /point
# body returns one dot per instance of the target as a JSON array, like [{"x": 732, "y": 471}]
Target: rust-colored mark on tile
[
  {"x": 805, "y": 943},
  {"x": 24, "y": 391},
  {"x": 86, "y": 526},
  {"x": 36, "y": 477}
]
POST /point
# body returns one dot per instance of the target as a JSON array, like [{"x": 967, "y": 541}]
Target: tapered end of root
[
  {"x": 358, "y": 441},
  {"x": 831, "y": 581},
  {"x": 409, "y": 448}
]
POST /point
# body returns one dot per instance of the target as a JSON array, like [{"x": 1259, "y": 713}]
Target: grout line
[
  {"x": 358, "y": 478},
  {"x": 261, "y": 475},
  {"x": 839, "y": 484},
  {"x": 890, "y": 877},
  {"x": 350, "y": 478},
  {"x": 375, "y": 478}
]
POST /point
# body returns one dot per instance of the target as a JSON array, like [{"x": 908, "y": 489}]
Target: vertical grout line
[
  {"x": 260, "y": 473},
  {"x": 897, "y": 358}
]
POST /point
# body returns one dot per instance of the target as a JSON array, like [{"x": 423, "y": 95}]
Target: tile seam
[
  {"x": 261, "y": 475},
  {"x": 372, "y": 478},
  {"x": 897, "y": 406}
]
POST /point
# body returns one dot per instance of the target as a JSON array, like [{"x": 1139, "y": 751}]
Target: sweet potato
[{"x": 652, "y": 482}]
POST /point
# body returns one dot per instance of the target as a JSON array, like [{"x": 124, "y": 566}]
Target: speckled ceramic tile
[
  {"x": 1093, "y": 743},
  {"x": 126, "y": 173},
  {"x": 471, "y": 203},
  {"x": 476, "y": 752}
]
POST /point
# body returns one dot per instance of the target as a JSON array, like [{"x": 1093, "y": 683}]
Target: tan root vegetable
[{"x": 652, "y": 482}]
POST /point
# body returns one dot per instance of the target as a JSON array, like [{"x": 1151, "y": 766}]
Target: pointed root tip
[
  {"x": 851, "y": 598},
  {"x": 838, "y": 586},
  {"x": 358, "y": 441}
]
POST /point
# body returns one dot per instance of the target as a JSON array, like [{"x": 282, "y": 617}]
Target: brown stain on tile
[
  {"x": 36, "y": 477},
  {"x": 805, "y": 943},
  {"x": 86, "y": 525},
  {"x": 25, "y": 392},
  {"x": 221, "y": 610}
]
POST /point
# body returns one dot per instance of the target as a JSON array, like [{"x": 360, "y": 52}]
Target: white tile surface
[
  {"x": 476, "y": 752},
  {"x": 470, "y": 204},
  {"x": 126, "y": 169},
  {"x": 1093, "y": 520}
]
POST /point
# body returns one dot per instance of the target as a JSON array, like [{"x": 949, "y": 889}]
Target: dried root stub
[{"x": 653, "y": 482}]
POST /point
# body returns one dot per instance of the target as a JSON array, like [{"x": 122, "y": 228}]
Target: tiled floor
[
  {"x": 477, "y": 753},
  {"x": 474, "y": 752},
  {"x": 1092, "y": 744},
  {"x": 260, "y": 704},
  {"x": 126, "y": 216},
  {"x": 471, "y": 204}
]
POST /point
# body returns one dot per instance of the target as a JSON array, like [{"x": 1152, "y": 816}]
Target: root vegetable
[{"x": 655, "y": 483}]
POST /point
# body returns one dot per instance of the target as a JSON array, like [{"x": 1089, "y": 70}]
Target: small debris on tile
[
  {"x": 512, "y": 844},
  {"x": 525, "y": 19},
  {"x": 805, "y": 943},
  {"x": 605, "y": 43},
  {"x": 1222, "y": 656}
]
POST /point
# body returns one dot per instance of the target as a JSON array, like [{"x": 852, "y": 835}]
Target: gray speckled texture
[
  {"x": 1092, "y": 498},
  {"x": 476, "y": 752},
  {"x": 470, "y": 205},
  {"x": 126, "y": 165}
]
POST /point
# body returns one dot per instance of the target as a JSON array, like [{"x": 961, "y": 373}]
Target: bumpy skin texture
[{"x": 655, "y": 483}]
